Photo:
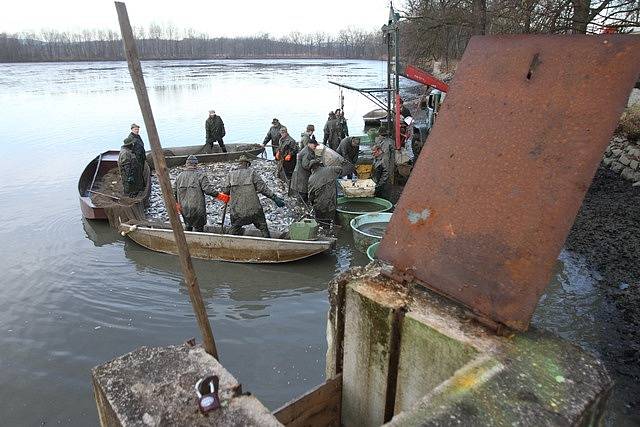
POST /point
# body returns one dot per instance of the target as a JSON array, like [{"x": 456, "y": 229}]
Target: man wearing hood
[
  {"x": 130, "y": 171},
  {"x": 243, "y": 185},
  {"x": 189, "y": 190},
  {"x": 323, "y": 194}
]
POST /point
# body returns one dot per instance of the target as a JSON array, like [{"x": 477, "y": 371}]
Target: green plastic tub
[
  {"x": 307, "y": 229},
  {"x": 371, "y": 251},
  {"x": 348, "y": 207},
  {"x": 364, "y": 237}
]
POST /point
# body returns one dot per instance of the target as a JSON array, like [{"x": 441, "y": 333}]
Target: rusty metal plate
[{"x": 503, "y": 174}]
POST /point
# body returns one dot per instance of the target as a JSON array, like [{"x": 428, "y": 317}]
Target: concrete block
[
  {"x": 456, "y": 372},
  {"x": 624, "y": 160},
  {"x": 373, "y": 309},
  {"x": 155, "y": 386}
]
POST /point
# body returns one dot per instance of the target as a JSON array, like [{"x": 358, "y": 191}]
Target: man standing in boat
[
  {"x": 308, "y": 135},
  {"x": 243, "y": 185},
  {"x": 349, "y": 149},
  {"x": 332, "y": 131},
  {"x": 189, "y": 190},
  {"x": 300, "y": 178},
  {"x": 273, "y": 136},
  {"x": 138, "y": 148},
  {"x": 130, "y": 171},
  {"x": 323, "y": 194},
  {"x": 214, "y": 129}
]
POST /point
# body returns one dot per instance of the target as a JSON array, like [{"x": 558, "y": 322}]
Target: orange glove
[
  {"x": 223, "y": 197},
  {"x": 278, "y": 155},
  {"x": 287, "y": 157},
  {"x": 178, "y": 208}
]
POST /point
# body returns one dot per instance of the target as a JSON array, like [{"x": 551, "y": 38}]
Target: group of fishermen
[{"x": 298, "y": 165}]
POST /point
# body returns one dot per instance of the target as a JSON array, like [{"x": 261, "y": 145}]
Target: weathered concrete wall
[
  {"x": 155, "y": 386},
  {"x": 449, "y": 370}
]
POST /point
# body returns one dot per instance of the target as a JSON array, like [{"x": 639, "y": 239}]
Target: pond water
[{"x": 76, "y": 294}]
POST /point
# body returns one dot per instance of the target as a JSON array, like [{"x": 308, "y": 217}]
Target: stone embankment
[{"x": 623, "y": 157}]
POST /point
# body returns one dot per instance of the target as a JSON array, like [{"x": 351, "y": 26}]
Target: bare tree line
[
  {"x": 440, "y": 29},
  {"x": 169, "y": 42}
]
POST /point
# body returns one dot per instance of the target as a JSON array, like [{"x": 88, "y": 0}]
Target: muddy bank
[{"x": 607, "y": 233}]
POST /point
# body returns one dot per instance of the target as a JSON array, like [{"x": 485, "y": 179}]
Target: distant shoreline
[{"x": 215, "y": 58}]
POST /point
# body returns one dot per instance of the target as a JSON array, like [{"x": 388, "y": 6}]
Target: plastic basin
[
  {"x": 364, "y": 239},
  {"x": 345, "y": 215},
  {"x": 371, "y": 251}
]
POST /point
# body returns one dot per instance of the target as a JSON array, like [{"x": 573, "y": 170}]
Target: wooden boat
[
  {"x": 177, "y": 156},
  {"x": 226, "y": 247},
  {"x": 373, "y": 117},
  {"x": 95, "y": 170}
]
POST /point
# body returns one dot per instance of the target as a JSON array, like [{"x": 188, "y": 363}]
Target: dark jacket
[
  {"x": 138, "y": 149},
  {"x": 214, "y": 128},
  {"x": 189, "y": 190},
  {"x": 348, "y": 151},
  {"x": 332, "y": 133},
  {"x": 323, "y": 192},
  {"x": 130, "y": 171},
  {"x": 243, "y": 185},
  {"x": 380, "y": 175},
  {"x": 288, "y": 146},
  {"x": 300, "y": 178},
  {"x": 273, "y": 135}
]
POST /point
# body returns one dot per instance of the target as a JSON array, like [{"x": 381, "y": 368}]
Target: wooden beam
[
  {"x": 319, "y": 407},
  {"x": 135, "y": 69}
]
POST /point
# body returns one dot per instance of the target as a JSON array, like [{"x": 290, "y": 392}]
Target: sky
[{"x": 215, "y": 17}]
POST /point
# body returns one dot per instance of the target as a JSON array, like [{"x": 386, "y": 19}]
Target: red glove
[
  {"x": 278, "y": 155},
  {"x": 223, "y": 197},
  {"x": 287, "y": 157},
  {"x": 178, "y": 208}
]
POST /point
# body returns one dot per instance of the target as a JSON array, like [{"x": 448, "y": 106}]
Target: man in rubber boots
[
  {"x": 138, "y": 147},
  {"x": 273, "y": 136},
  {"x": 214, "y": 129},
  {"x": 332, "y": 131},
  {"x": 380, "y": 173},
  {"x": 243, "y": 185},
  {"x": 349, "y": 149},
  {"x": 323, "y": 194},
  {"x": 300, "y": 179},
  {"x": 130, "y": 172},
  {"x": 189, "y": 190},
  {"x": 286, "y": 154}
]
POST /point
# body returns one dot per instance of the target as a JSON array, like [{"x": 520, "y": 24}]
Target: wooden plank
[
  {"x": 319, "y": 407},
  {"x": 135, "y": 69}
]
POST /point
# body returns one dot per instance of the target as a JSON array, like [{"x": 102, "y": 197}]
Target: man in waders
[
  {"x": 300, "y": 178},
  {"x": 286, "y": 155},
  {"x": 273, "y": 136},
  {"x": 243, "y": 185},
  {"x": 323, "y": 194},
  {"x": 349, "y": 149},
  {"x": 130, "y": 171},
  {"x": 138, "y": 148},
  {"x": 380, "y": 173},
  {"x": 214, "y": 130},
  {"x": 189, "y": 190}
]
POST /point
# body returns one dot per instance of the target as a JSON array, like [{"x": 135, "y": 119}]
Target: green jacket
[
  {"x": 130, "y": 171},
  {"x": 214, "y": 128},
  {"x": 189, "y": 190},
  {"x": 323, "y": 193},
  {"x": 243, "y": 185},
  {"x": 300, "y": 178}
]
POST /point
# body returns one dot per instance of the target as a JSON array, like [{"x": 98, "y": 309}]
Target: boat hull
[
  {"x": 225, "y": 247},
  {"x": 95, "y": 170},
  {"x": 177, "y": 156}
]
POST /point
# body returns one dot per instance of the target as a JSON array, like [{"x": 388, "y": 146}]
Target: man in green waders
[
  {"x": 190, "y": 187},
  {"x": 130, "y": 171}
]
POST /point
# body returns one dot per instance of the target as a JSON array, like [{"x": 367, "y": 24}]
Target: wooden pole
[{"x": 135, "y": 69}]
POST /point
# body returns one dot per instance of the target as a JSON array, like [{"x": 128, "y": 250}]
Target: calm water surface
[{"x": 74, "y": 294}]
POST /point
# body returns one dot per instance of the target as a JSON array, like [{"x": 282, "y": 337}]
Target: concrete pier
[
  {"x": 413, "y": 358},
  {"x": 155, "y": 387}
]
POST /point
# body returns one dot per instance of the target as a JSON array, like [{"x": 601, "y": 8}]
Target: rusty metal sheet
[{"x": 498, "y": 185}]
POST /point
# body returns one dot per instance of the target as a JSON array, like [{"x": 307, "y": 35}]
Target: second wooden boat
[
  {"x": 177, "y": 156},
  {"x": 226, "y": 247}
]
